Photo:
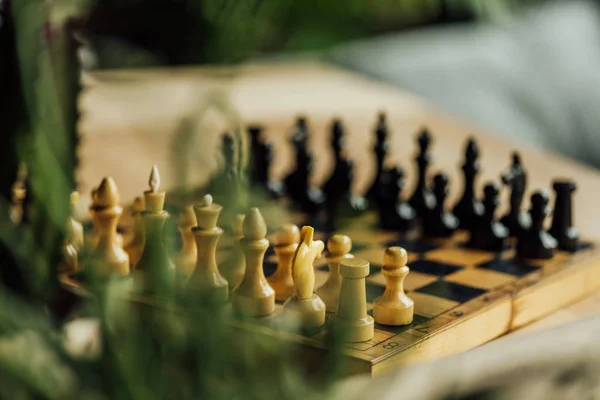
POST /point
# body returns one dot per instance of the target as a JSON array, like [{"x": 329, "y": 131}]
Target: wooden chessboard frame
[{"x": 510, "y": 302}]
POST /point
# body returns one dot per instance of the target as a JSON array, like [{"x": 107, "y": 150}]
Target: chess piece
[
  {"x": 91, "y": 241},
  {"x": 19, "y": 193},
  {"x": 287, "y": 238},
  {"x": 438, "y": 222},
  {"x": 135, "y": 247},
  {"x": 254, "y": 296},
  {"x": 206, "y": 278},
  {"x": 394, "y": 213},
  {"x": 422, "y": 200},
  {"x": 343, "y": 174},
  {"x": 154, "y": 273},
  {"x": 337, "y": 138},
  {"x": 338, "y": 188},
  {"x": 340, "y": 201},
  {"x": 516, "y": 220},
  {"x": 261, "y": 160},
  {"x": 109, "y": 258},
  {"x": 338, "y": 248},
  {"x": 469, "y": 207},
  {"x": 69, "y": 263},
  {"x": 394, "y": 307},
  {"x": 185, "y": 260},
  {"x": 306, "y": 197},
  {"x": 224, "y": 185},
  {"x": 486, "y": 233},
  {"x": 562, "y": 221},
  {"x": 305, "y": 305},
  {"x": 352, "y": 321},
  {"x": 535, "y": 242},
  {"x": 234, "y": 267},
  {"x": 75, "y": 227},
  {"x": 381, "y": 150}
]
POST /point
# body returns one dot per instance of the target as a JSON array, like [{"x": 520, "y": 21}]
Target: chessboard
[{"x": 463, "y": 297}]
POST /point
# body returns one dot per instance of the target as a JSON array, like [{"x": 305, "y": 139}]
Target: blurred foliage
[{"x": 156, "y": 32}]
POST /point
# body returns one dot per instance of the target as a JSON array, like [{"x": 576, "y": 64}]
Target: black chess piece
[
  {"x": 224, "y": 184},
  {"x": 468, "y": 207},
  {"x": 260, "y": 164},
  {"x": 338, "y": 143},
  {"x": 535, "y": 242},
  {"x": 340, "y": 201},
  {"x": 422, "y": 200},
  {"x": 486, "y": 233},
  {"x": 307, "y": 198},
  {"x": 562, "y": 228},
  {"x": 515, "y": 177},
  {"x": 300, "y": 132},
  {"x": 438, "y": 222},
  {"x": 394, "y": 213},
  {"x": 381, "y": 150}
]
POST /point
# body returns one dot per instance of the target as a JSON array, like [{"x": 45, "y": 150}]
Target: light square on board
[
  {"x": 459, "y": 256},
  {"x": 431, "y": 306},
  {"x": 480, "y": 277},
  {"x": 320, "y": 277},
  {"x": 366, "y": 234}
]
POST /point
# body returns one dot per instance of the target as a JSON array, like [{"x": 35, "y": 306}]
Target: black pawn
[
  {"x": 225, "y": 181},
  {"x": 394, "y": 213},
  {"x": 486, "y": 233},
  {"x": 338, "y": 143},
  {"x": 535, "y": 242},
  {"x": 381, "y": 150},
  {"x": 515, "y": 177},
  {"x": 438, "y": 222},
  {"x": 336, "y": 182},
  {"x": 422, "y": 200},
  {"x": 562, "y": 220},
  {"x": 468, "y": 207},
  {"x": 307, "y": 198},
  {"x": 260, "y": 164},
  {"x": 340, "y": 202}
]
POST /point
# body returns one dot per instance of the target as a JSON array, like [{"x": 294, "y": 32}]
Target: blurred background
[{"x": 524, "y": 68}]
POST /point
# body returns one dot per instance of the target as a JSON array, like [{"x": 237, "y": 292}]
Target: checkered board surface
[{"x": 449, "y": 283}]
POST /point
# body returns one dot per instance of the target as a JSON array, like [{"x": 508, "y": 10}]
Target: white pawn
[
  {"x": 287, "y": 238},
  {"x": 394, "y": 307},
  {"x": 254, "y": 297},
  {"x": 234, "y": 267},
  {"x": 338, "y": 247},
  {"x": 185, "y": 259}
]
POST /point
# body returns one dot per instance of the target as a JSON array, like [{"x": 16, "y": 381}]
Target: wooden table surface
[{"x": 133, "y": 119}]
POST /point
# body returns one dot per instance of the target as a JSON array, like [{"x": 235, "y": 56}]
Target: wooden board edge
[
  {"x": 492, "y": 322},
  {"x": 555, "y": 292}
]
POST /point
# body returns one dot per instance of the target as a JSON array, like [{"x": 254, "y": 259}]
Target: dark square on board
[
  {"x": 269, "y": 268},
  {"x": 431, "y": 267},
  {"x": 414, "y": 246},
  {"x": 451, "y": 291},
  {"x": 374, "y": 291},
  {"x": 510, "y": 266}
]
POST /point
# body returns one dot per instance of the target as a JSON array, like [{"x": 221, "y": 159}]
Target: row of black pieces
[{"x": 427, "y": 205}]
